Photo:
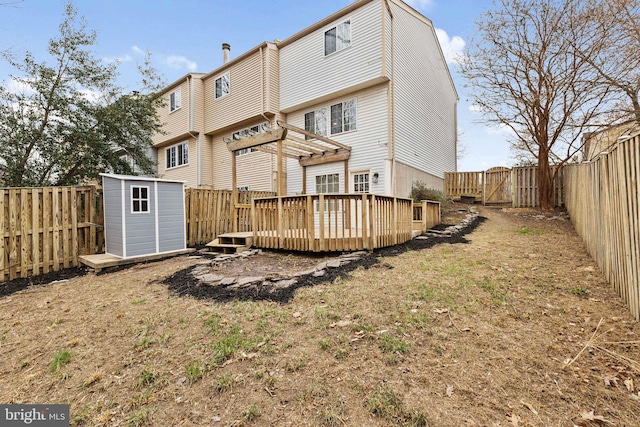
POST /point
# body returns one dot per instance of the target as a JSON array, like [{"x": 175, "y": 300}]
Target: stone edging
[{"x": 281, "y": 281}]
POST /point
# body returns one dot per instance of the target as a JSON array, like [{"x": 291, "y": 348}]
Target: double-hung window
[
  {"x": 337, "y": 38},
  {"x": 361, "y": 182},
  {"x": 316, "y": 122},
  {"x": 343, "y": 116},
  {"x": 223, "y": 85},
  {"x": 328, "y": 184},
  {"x": 175, "y": 100},
  {"x": 177, "y": 155},
  {"x": 139, "y": 199}
]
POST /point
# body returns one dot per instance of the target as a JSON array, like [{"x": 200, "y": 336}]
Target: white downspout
[{"x": 392, "y": 103}]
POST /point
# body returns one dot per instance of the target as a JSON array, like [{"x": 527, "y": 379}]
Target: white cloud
[
  {"x": 452, "y": 47},
  {"x": 419, "y": 4},
  {"x": 137, "y": 50},
  {"x": 90, "y": 95},
  {"x": 178, "y": 61},
  {"x": 18, "y": 87},
  {"x": 118, "y": 59}
]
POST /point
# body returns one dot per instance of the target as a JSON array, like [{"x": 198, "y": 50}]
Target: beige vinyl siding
[
  {"x": 272, "y": 72},
  {"x": 198, "y": 105},
  {"x": 187, "y": 173},
  {"x": 220, "y": 163},
  {"x": 175, "y": 123},
  {"x": 425, "y": 99},
  {"x": 406, "y": 176},
  {"x": 368, "y": 141},
  {"x": 245, "y": 94},
  {"x": 207, "y": 161},
  {"x": 254, "y": 170},
  {"x": 307, "y": 74}
]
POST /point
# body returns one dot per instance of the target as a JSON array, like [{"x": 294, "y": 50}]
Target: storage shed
[{"x": 143, "y": 216}]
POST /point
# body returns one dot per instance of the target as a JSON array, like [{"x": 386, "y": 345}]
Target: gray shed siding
[
  {"x": 160, "y": 230},
  {"x": 171, "y": 222},
  {"x": 140, "y": 226},
  {"x": 113, "y": 216}
]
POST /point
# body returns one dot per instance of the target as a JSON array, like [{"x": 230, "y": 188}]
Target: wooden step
[{"x": 231, "y": 243}]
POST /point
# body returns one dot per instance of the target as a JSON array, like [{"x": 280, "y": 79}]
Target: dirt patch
[
  {"x": 512, "y": 325},
  {"x": 288, "y": 267}
]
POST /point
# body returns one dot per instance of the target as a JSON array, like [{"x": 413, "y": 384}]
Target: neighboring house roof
[{"x": 601, "y": 141}]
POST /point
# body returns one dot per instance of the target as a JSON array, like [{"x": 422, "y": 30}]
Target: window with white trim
[
  {"x": 177, "y": 155},
  {"x": 337, "y": 38},
  {"x": 343, "y": 116},
  {"x": 139, "y": 199},
  {"x": 361, "y": 182},
  {"x": 222, "y": 86},
  {"x": 328, "y": 184},
  {"x": 175, "y": 100},
  {"x": 261, "y": 128},
  {"x": 316, "y": 122}
]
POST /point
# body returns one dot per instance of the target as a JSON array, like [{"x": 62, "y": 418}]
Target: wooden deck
[
  {"x": 101, "y": 261},
  {"x": 338, "y": 222}
]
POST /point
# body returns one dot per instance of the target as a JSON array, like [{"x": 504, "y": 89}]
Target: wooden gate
[
  {"x": 517, "y": 187},
  {"x": 497, "y": 185}
]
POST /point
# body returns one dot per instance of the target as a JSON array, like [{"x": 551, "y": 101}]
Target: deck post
[
  {"x": 321, "y": 221},
  {"x": 394, "y": 222},
  {"x": 282, "y": 190},
  {"x": 311, "y": 233},
  {"x": 304, "y": 180},
  {"x": 234, "y": 193},
  {"x": 373, "y": 217},
  {"x": 280, "y": 225},
  {"x": 364, "y": 222}
]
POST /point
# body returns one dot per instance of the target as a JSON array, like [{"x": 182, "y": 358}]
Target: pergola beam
[
  {"x": 252, "y": 141},
  {"x": 340, "y": 156},
  {"x": 313, "y": 135}
]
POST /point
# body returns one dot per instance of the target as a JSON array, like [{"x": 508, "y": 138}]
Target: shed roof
[{"x": 139, "y": 178}]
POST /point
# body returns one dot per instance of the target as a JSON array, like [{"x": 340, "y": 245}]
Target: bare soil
[{"x": 510, "y": 324}]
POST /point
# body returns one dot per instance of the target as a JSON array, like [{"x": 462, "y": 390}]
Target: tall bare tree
[
  {"x": 524, "y": 74},
  {"x": 611, "y": 46}
]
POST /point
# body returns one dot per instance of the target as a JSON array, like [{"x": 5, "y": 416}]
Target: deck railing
[
  {"x": 426, "y": 214},
  {"x": 331, "y": 222}
]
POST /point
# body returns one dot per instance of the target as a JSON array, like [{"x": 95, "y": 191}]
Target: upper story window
[
  {"x": 343, "y": 116},
  {"x": 177, "y": 155},
  {"x": 139, "y": 199},
  {"x": 261, "y": 128},
  {"x": 175, "y": 100},
  {"x": 222, "y": 86},
  {"x": 316, "y": 122},
  {"x": 337, "y": 38}
]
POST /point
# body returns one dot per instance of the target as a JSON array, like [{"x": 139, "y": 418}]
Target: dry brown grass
[{"x": 474, "y": 334}]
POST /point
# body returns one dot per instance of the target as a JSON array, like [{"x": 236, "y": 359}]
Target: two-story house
[{"x": 371, "y": 76}]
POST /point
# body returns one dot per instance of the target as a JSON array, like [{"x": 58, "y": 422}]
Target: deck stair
[{"x": 231, "y": 243}]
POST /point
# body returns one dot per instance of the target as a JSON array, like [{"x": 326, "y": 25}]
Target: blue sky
[{"x": 186, "y": 35}]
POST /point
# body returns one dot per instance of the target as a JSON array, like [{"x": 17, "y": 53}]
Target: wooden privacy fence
[
  {"x": 210, "y": 213},
  {"x": 603, "y": 202},
  {"x": 331, "y": 222},
  {"x": 45, "y": 229},
  {"x": 517, "y": 187}
]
